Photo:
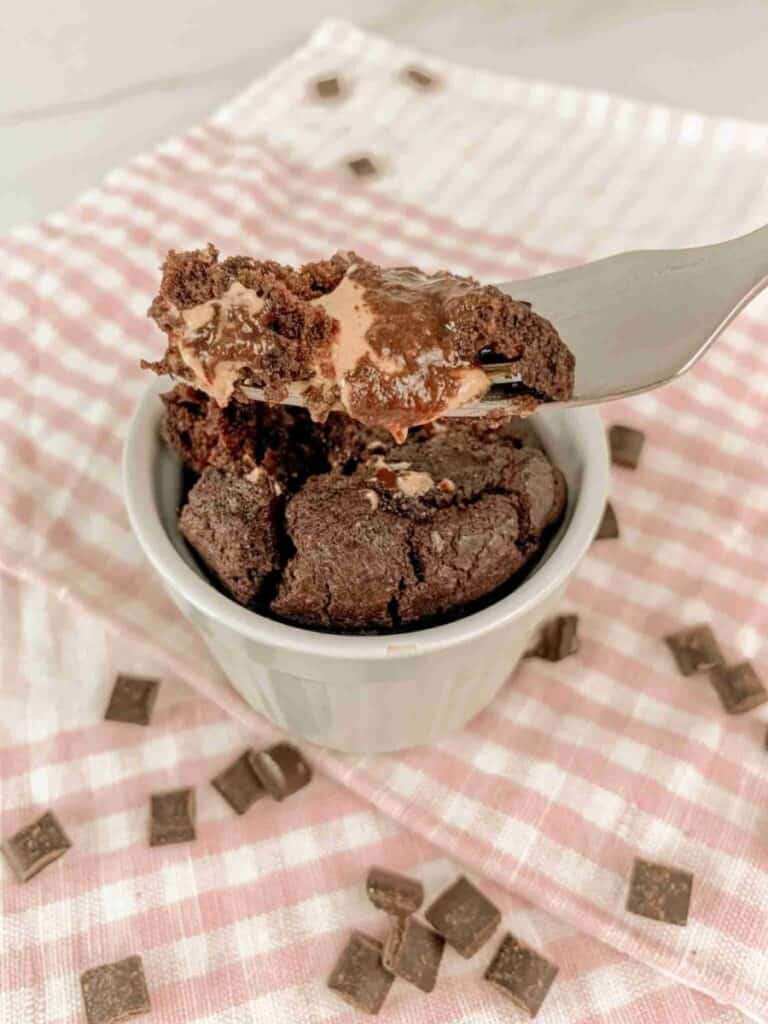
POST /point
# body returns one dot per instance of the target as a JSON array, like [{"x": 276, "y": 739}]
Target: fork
[
  {"x": 634, "y": 321},
  {"x": 639, "y": 320}
]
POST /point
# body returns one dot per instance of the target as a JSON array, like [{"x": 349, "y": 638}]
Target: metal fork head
[
  {"x": 633, "y": 321},
  {"x": 640, "y": 319}
]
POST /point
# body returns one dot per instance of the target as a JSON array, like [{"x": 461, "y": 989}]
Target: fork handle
[{"x": 750, "y": 249}]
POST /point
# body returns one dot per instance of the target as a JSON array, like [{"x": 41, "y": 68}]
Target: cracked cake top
[{"x": 335, "y": 526}]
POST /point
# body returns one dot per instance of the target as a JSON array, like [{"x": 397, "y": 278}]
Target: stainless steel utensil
[{"x": 637, "y": 320}]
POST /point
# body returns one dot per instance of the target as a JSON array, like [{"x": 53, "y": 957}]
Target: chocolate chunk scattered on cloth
[
  {"x": 328, "y": 88},
  {"x": 132, "y": 700},
  {"x": 36, "y": 846},
  {"x": 359, "y": 976},
  {"x": 521, "y": 974},
  {"x": 464, "y": 917},
  {"x": 660, "y": 892},
  {"x": 238, "y": 784},
  {"x": 172, "y": 817},
  {"x": 392, "y": 892},
  {"x": 695, "y": 649},
  {"x": 739, "y": 687},
  {"x": 413, "y": 952},
  {"x": 362, "y": 167},
  {"x": 626, "y": 445},
  {"x": 281, "y": 770},
  {"x": 420, "y": 78},
  {"x": 557, "y": 640},
  {"x": 115, "y": 992},
  {"x": 609, "y": 524}
]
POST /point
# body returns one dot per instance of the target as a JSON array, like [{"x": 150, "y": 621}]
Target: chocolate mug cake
[{"x": 366, "y": 511}]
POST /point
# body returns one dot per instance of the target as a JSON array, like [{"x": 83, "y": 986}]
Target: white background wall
[{"x": 85, "y": 84}]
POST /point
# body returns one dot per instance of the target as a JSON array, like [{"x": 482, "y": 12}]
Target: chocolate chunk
[
  {"x": 281, "y": 770},
  {"x": 359, "y": 976},
  {"x": 115, "y": 992},
  {"x": 464, "y": 917},
  {"x": 132, "y": 700},
  {"x": 659, "y": 892},
  {"x": 172, "y": 817},
  {"x": 738, "y": 686},
  {"x": 626, "y": 444},
  {"x": 609, "y": 524},
  {"x": 362, "y": 166},
  {"x": 328, "y": 88},
  {"x": 521, "y": 974},
  {"x": 35, "y": 847},
  {"x": 695, "y": 649},
  {"x": 420, "y": 78},
  {"x": 558, "y": 639},
  {"x": 394, "y": 893},
  {"x": 413, "y": 952},
  {"x": 238, "y": 784}
]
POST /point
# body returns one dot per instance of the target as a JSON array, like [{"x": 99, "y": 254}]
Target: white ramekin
[{"x": 366, "y": 694}]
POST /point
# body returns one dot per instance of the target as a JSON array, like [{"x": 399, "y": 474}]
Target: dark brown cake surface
[
  {"x": 231, "y": 522},
  {"x": 335, "y": 526},
  {"x": 392, "y": 347}
]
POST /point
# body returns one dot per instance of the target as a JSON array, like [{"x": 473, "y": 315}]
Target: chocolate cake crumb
[
  {"x": 335, "y": 526},
  {"x": 350, "y": 560},
  {"x": 392, "y": 347},
  {"x": 245, "y": 435},
  {"x": 415, "y": 553},
  {"x": 230, "y": 522},
  {"x": 331, "y": 525}
]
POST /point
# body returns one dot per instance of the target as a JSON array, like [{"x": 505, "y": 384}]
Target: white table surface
[{"x": 85, "y": 84}]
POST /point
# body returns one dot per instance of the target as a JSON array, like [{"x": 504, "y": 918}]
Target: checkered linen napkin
[{"x": 577, "y": 767}]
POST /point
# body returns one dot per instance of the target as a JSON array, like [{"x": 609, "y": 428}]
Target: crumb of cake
[
  {"x": 358, "y": 534},
  {"x": 393, "y": 348}
]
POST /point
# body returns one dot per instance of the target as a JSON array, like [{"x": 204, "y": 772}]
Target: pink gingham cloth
[{"x": 576, "y": 768}]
